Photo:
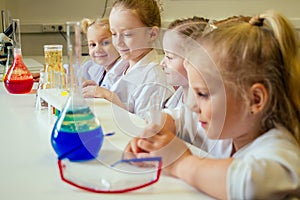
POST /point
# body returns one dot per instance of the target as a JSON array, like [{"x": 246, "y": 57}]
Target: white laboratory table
[{"x": 28, "y": 168}]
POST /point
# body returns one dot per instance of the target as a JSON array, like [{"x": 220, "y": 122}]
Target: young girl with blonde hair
[
  {"x": 248, "y": 89},
  {"x": 173, "y": 60},
  {"x": 135, "y": 28},
  {"x": 105, "y": 66},
  {"x": 180, "y": 116}
]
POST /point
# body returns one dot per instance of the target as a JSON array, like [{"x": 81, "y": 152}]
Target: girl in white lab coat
[
  {"x": 246, "y": 86},
  {"x": 105, "y": 60},
  {"x": 173, "y": 60},
  {"x": 135, "y": 27},
  {"x": 178, "y": 106}
]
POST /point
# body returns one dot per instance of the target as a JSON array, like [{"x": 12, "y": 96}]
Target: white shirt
[
  {"x": 190, "y": 130},
  {"x": 144, "y": 82},
  {"x": 267, "y": 168}
]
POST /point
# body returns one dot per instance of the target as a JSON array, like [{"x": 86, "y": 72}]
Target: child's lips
[
  {"x": 204, "y": 124},
  {"x": 123, "y": 50},
  {"x": 100, "y": 55}
]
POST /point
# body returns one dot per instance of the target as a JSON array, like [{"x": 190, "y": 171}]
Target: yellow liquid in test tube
[{"x": 54, "y": 66}]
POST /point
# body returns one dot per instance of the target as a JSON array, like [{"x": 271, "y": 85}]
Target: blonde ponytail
[
  {"x": 85, "y": 24},
  {"x": 288, "y": 43}
]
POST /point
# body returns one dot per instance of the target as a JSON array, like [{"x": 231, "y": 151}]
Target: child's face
[
  {"x": 220, "y": 112},
  {"x": 130, "y": 36},
  {"x": 172, "y": 62},
  {"x": 100, "y": 46},
  {"x": 174, "y": 70}
]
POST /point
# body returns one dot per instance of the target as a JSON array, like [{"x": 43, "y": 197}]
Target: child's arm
[
  {"x": 206, "y": 174},
  {"x": 95, "y": 91},
  {"x": 132, "y": 149},
  {"x": 169, "y": 123}
]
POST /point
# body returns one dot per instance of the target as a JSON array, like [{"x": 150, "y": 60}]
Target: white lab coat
[
  {"x": 144, "y": 82},
  {"x": 267, "y": 168},
  {"x": 115, "y": 73},
  {"x": 176, "y": 99}
]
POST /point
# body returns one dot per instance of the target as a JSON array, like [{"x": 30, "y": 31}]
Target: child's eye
[
  {"x": 105, "y": 43},
  {"x": 168, "y": 57},
  {"x": 92, "y": 44},
  {"x": 127, "y": 34},
  {"x": 203, "y": 95}
]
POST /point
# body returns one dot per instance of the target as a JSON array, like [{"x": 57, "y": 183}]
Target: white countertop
[{"x": 29, "y": 169}]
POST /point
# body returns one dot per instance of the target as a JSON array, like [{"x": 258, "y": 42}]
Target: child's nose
[
  {"x": 118, "y": 40},
  {"x": 99, "y": 48},
  {"x": 163, "y": 63}
]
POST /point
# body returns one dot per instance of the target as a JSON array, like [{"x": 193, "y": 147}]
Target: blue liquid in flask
[{"x": 77, "y": 134}]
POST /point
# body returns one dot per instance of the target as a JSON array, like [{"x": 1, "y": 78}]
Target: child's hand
[
  {"x": 89, "y": 91},
  {"x": 161, "y": 143},
  {"x": 89, "y": 88},
  {"x": 96, "y": 91},
  {"x": 87, "y": 83},
  {"x": 132, "y": 150}
]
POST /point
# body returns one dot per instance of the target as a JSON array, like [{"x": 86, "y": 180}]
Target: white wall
[
  {"x": 45, "y": 11},
  {"x": 2, "y": 4},
  {"x": 54, "y": 11},
  {"x": 33, "y": 12},
  {"x": 223, "y": 8},
  {"x": 2, "y": 7}
]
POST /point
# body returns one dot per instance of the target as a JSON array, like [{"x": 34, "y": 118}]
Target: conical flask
[
  {"x": 77, "y": 129},
  {"x": 18, "y": 79}
]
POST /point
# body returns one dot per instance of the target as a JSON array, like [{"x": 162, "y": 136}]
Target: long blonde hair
[{"x": 262, "y": 50}]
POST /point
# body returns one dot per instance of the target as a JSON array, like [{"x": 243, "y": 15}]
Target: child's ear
[
  {"x": 154, "y": 32},
  {"x": 258, "y": 97}
]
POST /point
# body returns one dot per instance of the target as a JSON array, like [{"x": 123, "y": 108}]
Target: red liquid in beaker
[
  {"x": 18, "y": 79},
  {"x": 19, "y": 86}
]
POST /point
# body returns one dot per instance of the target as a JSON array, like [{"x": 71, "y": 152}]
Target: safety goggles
[{"x": 119, "y": 176}]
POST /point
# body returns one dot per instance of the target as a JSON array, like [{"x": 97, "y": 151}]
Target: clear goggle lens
[{"x": 122, "y": 176}]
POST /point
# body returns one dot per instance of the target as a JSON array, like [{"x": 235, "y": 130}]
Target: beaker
[
  {"x": 18, "y": 79},
  {"x": 76, "y": 125},
  {"x": 54, "y": 65}
]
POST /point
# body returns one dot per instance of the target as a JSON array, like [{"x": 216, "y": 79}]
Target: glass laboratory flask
[
  {"x": 77, "y": 134},
  {"x": 18, "y": 79}
]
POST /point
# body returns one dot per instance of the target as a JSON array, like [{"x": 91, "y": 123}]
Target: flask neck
[
  {"x": 17, "y": 52},
  {"x": 16, "y": 33},
  {"x": 18, "y": 58},
  {"x": 10, "y": 58}
]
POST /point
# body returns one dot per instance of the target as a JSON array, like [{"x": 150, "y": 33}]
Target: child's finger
[{"x": 88, "y": 83}]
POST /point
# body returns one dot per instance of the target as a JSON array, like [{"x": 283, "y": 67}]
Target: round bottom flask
[{"x": 77, "y": 134}]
